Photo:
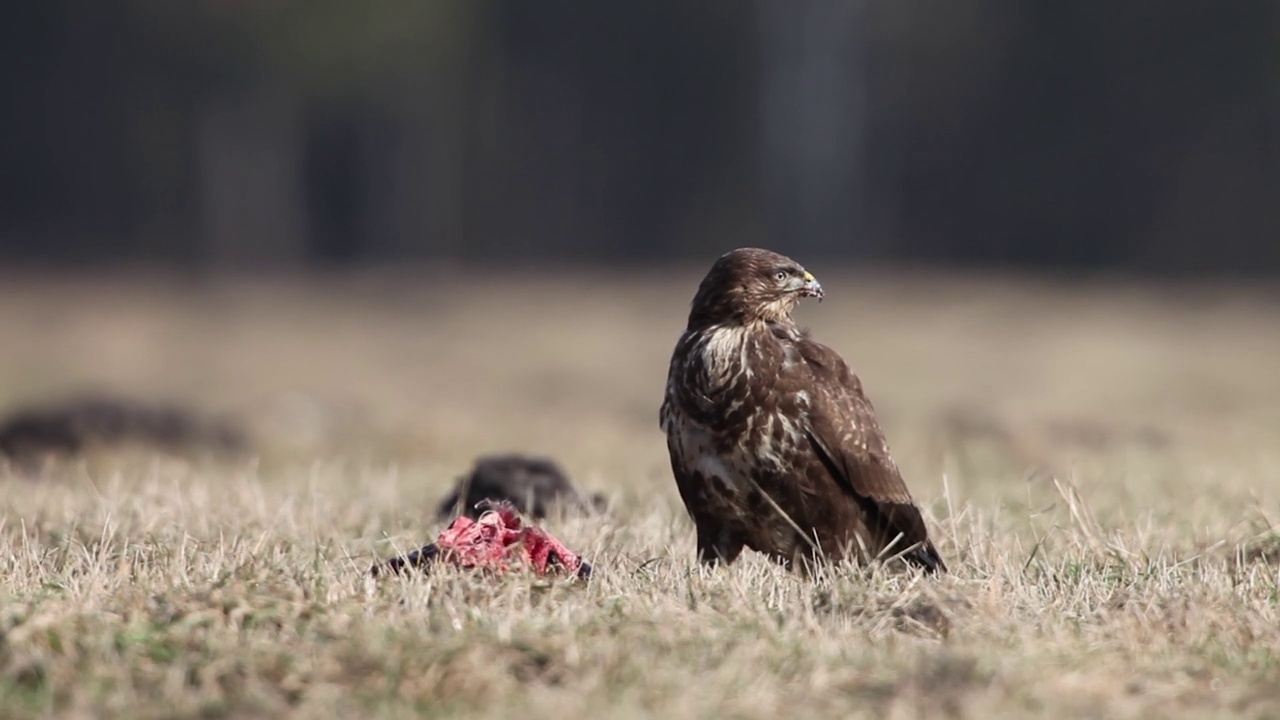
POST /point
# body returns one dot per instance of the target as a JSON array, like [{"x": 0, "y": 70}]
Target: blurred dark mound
[
  {"x": 533, "y": 484},
  {"x": 95, "y": 422}
]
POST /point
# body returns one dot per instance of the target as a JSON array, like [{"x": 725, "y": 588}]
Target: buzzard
[{"x": 773, "y": 444}]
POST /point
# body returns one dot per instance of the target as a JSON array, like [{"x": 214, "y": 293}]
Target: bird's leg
[{"x": 718, "y": 544}]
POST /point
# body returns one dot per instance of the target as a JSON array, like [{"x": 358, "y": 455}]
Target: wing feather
[{"x": 846, "y": 436}]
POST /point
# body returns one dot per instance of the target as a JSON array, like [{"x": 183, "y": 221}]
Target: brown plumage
[{"x": 773, "y": 444}]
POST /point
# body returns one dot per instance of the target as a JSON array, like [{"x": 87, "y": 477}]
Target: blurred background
[
  {"x": 1141, "y": 136},
  {"x": 1034, "y": 220}
]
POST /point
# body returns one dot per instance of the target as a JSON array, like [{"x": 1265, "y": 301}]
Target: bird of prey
[{"x": 773, "y": 444}]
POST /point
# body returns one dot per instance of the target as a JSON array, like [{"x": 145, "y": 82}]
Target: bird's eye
[{"x": 780, "y": 275}]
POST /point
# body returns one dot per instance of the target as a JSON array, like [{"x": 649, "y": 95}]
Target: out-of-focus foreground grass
[{"x": 1098, "y": 463}]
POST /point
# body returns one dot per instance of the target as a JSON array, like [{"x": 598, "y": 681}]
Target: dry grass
[{"x": 1122, "y": 567}]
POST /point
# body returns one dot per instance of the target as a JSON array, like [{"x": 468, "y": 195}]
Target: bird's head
[{"x": 751, "y": 284}]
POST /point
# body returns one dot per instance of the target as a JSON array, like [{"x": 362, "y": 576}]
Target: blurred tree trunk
[
  {"x": 250, "y": 170},
  {"x": 813, "y": 92}
]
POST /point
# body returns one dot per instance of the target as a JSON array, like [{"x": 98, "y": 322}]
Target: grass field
[{"x": 1099, "y": 464}]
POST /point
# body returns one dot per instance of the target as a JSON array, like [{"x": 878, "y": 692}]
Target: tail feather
[{"x": 927, "y": 557}]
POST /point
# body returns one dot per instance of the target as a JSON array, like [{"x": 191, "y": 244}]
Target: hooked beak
[{"x": 810, "y": 287}]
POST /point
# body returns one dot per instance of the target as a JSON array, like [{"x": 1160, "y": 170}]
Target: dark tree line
[{"x": 225, "y": 132}]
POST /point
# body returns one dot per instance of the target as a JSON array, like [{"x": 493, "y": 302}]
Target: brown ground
[{"x": 1098, "y": 462}]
